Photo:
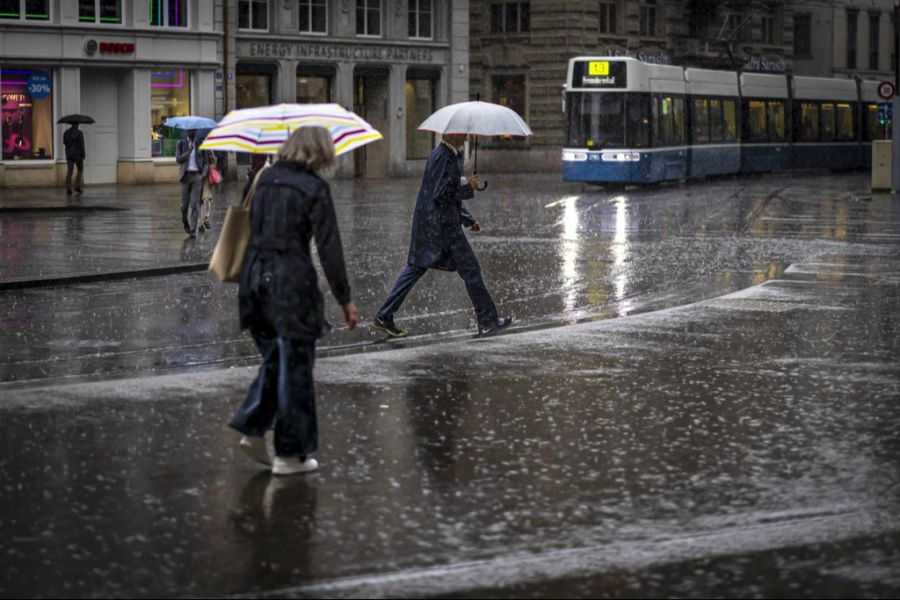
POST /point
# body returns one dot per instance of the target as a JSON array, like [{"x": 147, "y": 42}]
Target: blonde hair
[{"x": 311, "y": 147}]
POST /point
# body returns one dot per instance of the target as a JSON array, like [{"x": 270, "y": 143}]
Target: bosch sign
[{"x": 116, "y": 48}]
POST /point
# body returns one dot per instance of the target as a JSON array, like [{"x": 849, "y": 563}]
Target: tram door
[{"x": 370, "y": 101}]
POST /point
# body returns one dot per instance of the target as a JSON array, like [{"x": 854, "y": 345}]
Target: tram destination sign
[{"x": 601, "y": 74}]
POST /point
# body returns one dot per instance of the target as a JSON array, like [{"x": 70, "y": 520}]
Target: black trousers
[
  {"x": 70, "y": 163},
  {"x": 282, "y": 395},
  {"x": 485, "y": 310}
]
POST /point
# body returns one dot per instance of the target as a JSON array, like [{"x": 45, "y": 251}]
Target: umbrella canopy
[
  {"x": 76, "y": 118},
  {"x": 190, "y": 122},
  {"x": 264, "y": 129},
  {"x": 476, "y": 117}
]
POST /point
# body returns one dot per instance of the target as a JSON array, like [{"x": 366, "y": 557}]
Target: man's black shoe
[
  {"x": 500, "y": 323},
  {"x": 387, "y": 326}
]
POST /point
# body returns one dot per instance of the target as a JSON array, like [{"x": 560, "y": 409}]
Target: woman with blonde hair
[{"x": 280, "y": 302}]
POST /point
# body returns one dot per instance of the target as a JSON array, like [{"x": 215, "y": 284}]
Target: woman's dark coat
[
  {"x": 278, "y": 285},
  {"x": 438, "y": 240}
]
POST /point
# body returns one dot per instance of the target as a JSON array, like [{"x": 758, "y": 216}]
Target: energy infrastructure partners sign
[{"x": 343, "y": 52}]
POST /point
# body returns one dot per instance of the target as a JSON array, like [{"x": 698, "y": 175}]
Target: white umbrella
[{"x": 477, "y": 118}]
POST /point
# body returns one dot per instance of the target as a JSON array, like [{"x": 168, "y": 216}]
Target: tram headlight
[
  {"x": 576, "y": 156},
  {"x": 621, "y": 156}
]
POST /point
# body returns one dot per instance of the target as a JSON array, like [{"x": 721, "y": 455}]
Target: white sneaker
[
  {"x": 291, "y": 465},
  {"x": 255, "y": 448}
]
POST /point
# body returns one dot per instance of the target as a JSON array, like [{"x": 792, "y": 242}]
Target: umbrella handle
[{"x": 482, "y": 188}]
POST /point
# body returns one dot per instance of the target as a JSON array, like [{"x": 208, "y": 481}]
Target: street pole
[{"x": 895, "y": 138}]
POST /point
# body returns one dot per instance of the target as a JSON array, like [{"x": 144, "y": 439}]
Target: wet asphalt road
[{"x": 701, "y": 400}]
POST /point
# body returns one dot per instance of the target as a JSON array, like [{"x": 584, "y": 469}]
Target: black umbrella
[{"x": 76, "y": 119}]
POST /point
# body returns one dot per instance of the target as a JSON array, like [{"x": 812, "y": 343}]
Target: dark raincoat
[
  {"x": 438, "y": 240},
  {"x": 278, "y": 286}
]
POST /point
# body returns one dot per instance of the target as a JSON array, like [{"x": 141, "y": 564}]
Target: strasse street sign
[
  {"x": 885, "y": 112},
  {"x": 886, "y": 90}
]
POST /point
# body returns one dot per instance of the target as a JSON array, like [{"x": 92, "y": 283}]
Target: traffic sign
[
  {"x": 885, "y": 112},
  {"x": 886, "y": 90}
]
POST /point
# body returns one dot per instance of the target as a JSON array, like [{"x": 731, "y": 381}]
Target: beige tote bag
[{"x": 232, "y": 245}]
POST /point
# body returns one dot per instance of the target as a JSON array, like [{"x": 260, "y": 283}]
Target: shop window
[
  {"x": 32, "y": 10},
  {"x": 169, "y": 13},
  {"x": 100, "y": 11},
  {"x": 420, "y": 19},
  {"x": 419, "y": 105},
  {"x": 510, "y": 17},
  {"x": 368, "y": 17},
  {"x": 253, "y": 14},
  {"x": 313, "y": 16},
  {"x": 26, "y": 113},
  {"x": 314, "y": 87},
  {"x": 701, "y": 121},
  {"x": 170, "y": 96}
]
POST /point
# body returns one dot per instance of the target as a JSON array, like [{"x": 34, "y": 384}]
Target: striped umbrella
[{"x": 264, "y": 129}]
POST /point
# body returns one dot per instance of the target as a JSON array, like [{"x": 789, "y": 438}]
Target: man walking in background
[
  {"x": 73, "y": 140},
  {"x": 193, "y": 166}
]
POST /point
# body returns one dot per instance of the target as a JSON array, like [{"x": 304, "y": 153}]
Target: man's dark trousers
[
  {"x": 471, "y": 275},
  {"x": 191, "y": 186},
  {"x": 74, "y": 162}
]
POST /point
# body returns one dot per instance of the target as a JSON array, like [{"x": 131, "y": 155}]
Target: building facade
[
  {"x": 130, "y": 64},
  {"x": 845, "y": 38},
  {"x": 520, "y": 51}
]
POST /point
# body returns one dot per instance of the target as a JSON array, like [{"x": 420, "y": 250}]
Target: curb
[{"x": 23, "y": 284}]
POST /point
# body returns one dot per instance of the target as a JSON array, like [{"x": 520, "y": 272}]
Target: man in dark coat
[
  {"x": 193, "y": 167},
  {"x": 438, "y": 240},
  {"x": 73, "y": 140}
]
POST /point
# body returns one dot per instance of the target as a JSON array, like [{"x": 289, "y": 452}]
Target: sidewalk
[{"x": 743, "y": 445}]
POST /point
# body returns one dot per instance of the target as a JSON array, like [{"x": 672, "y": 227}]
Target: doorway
[
  {"x": 100, "y": 99},
  {"x": 370, "y": 101}
]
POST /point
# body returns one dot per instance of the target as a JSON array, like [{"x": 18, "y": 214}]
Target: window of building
[
  {"x": 420, "y": 95},
  {"x": 168, "y": 13},
  {"x": 648, "y": 18},
  {"x": 100, "y": 11},
  {"x": 26, "y": 113},
  {"x": 170, "y": 96},
  {"x": 253, "y": 14},
  {"x": 315, "y": 84},
  {"x": 802, "y": 35},
  {"x": 32, "y": 10},
  {"x": 874, "y": 39},
  {"x": 368, "y": 17},
  {"x": 420, "y": 19},
  {"x": 510, "y": 17},
  {"x": 852, "y": 22},
  {"x": 607, "y": 16},
  {"x": 509, "y": 91},
  {"x": 313, "y": 16},
  {"x": 767, "y": 24}
]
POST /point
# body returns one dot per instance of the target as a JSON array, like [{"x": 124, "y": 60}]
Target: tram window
[
  {"x": 596, "y": 120},
  {"x": 756, "y": 121},
  {"x": 809, "y": 122},
  {"x": 701, "y": 120},
  {"x": 715, "y": 121},
  {"x": 678, "y": 114},
  {"x": 730, "y": 109},
  {"x": 845, "y": 122},
  {"x": 827, "y": 113},
  {"x": 776, "y": 120},
  {"x": 637, "y": 124}
]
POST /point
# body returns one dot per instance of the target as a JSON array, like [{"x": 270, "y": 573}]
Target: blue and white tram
[
  {"x": 631, "y": 122},
  {"x": 713, "y": 134},
  {"x": 626, "y": 121},
  {"x": 825, "y": 123},
  {"x": 765, "y": 145}
]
